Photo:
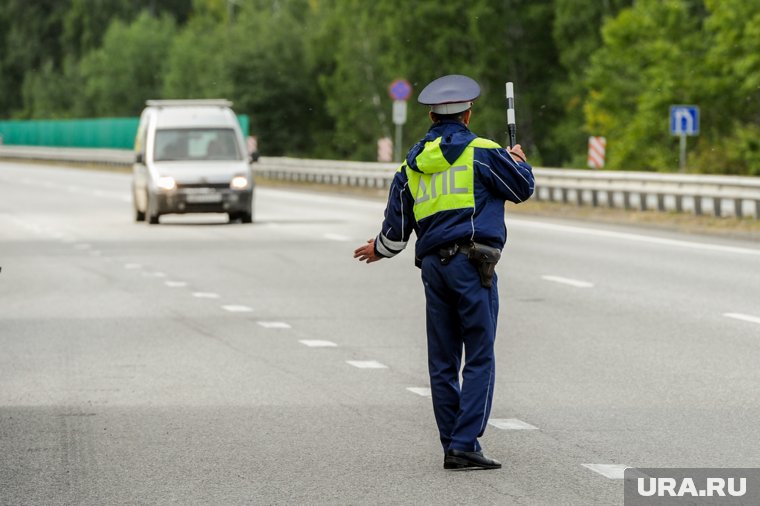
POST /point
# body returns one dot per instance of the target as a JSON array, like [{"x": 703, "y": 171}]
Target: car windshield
[{"x": 196, "y": 144}]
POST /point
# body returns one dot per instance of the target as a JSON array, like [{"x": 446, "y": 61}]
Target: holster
[{"x": 483, "y": 257}]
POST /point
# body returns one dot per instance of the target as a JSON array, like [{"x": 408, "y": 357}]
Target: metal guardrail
[
  {"x": 699, "y": 194},
  {"x": 122, "y": 157}
]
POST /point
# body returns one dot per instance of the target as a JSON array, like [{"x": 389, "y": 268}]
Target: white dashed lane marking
[
  {"x": 568, "y": 281},
  {"x": 274, "y": 325},
  {"x": 611, "y": 471},
  {"x": 206, "y": 295},
  {"x": 233, "y": 308},
  {"x": 337, "y": 237},
  {"x": 743, "y": 317},
  {"x": 510, "y": 424},
  {"x": 154, "y": 274},
  {"x": 366, "y": 364},
  {"x": 175, "y": 284},
  {"x": 316, "y": 343},
  {"x": 132, "y": 266},
  {"x": 421, "y": 391}
]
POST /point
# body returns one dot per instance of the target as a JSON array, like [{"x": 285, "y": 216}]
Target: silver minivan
[{"x": 190, "y": 157}]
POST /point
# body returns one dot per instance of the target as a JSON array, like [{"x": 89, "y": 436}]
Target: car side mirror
[
  {"x": 139, "y": 158},
  {"x": 253, "y": 156}
]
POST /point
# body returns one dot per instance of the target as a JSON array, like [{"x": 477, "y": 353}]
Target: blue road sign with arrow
[{"x": 684, "y": 120}]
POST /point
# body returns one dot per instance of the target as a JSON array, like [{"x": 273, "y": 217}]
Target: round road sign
[{"x": 400, "y": 89}]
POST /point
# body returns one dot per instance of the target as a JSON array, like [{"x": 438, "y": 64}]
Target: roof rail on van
[{"x": 218, "y": 102}]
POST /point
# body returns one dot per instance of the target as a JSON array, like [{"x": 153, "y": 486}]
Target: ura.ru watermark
[{"x": 692, "y": 486}]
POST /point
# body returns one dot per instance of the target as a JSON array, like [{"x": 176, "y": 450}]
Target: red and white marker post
[{"x": 596, "y": 152}]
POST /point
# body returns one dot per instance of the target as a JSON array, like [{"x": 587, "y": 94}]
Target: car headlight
[
  {"x": 166, "y": 183},
  {"x": 239, "y": 183}
]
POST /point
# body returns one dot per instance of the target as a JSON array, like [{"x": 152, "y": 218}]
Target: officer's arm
[
  {"x": 397, "y": 225},
  {"x": 399, "y": 218},
  {"x": 506, "y": 173}
]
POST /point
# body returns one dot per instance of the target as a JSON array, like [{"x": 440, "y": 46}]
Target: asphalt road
[{"x": 197, "y": 362}]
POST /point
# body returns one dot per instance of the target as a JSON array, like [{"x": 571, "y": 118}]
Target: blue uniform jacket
[{"x": 497, "y": 178}]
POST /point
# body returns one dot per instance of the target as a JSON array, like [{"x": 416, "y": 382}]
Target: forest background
[{"x": 313, "y": 75}]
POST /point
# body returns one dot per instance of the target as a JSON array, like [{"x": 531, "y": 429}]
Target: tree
[
  {"x": 270, "y": 75},
  {"x": 313, "y": 74},
  {"x": 30, "y": 34},
  {"x": 346, "y": 47},
  {"x": 198, "y": 60},
  {"x": 730, "y": 89},
  {"x": 657, "y": 54},
  {"x": 421, "y": 41},
  {"x": 576, "y": 32},
  {"x": 53, "y": 93},
  {"x": 650, "y": 60},
  {"x": 86, "y": 21},
  {"x": 129, "y": 67}
]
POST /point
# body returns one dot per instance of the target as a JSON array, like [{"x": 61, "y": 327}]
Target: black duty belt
[{"x": 447, "y": 252}]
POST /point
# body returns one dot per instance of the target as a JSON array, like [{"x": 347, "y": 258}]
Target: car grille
[{"x": 216, "y": 186}]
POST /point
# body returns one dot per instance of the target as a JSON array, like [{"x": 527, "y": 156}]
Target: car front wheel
[{"x": 151, "y": 211}]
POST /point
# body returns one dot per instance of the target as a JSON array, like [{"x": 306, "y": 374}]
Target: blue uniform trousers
[{"x": 460, "y": 314}]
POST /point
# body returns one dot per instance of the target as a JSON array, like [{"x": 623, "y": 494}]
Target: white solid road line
[
  {"x": 317, "y": 343},
  {"x": 367, "y": 364},
  {"x": 206, "y": 295},
  {"x": 611, "y": 471},
  {"x": 568, "y": 281},
  {"x": 274, "y": 325},
  {"x": 321, "y": 199},
  {"x": 511, "y": 424},
  {"x": 421, "y": 391},
  {"x": 233, "y": 308},
  {"x": 633, "y": 237},
  {"x": 743, "y": 317}
]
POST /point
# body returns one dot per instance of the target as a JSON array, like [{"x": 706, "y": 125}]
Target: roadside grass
[
  {"x": 729, "y": 227},
  {"x": 101, "y": 167}
]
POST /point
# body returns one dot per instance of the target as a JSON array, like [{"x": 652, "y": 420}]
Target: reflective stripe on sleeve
[{"x": 388, "y": 248}]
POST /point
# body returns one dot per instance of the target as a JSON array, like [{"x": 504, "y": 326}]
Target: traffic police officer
[{"x": 451, "y": 191}]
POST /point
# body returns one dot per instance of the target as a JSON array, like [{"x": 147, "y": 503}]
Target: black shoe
[{"x": 456, "y": 459}]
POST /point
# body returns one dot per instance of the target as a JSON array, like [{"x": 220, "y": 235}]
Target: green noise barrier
[{"x": 114, "y": 133}]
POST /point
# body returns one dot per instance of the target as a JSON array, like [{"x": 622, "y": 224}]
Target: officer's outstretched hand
[
  {"x": 367, "y": 252},
  {"x": 517, "y": 151}
]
